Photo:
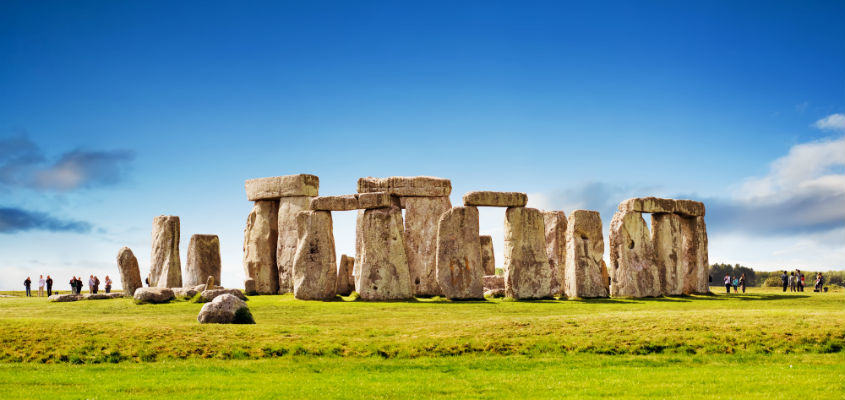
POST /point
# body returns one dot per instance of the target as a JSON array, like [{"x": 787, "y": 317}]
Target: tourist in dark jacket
[
  {"x": 784, "y": 278},
  {"x": 49, "y": 286},
  {"x": 27, "y": 284},
  {"x": 742, "y": 282}
]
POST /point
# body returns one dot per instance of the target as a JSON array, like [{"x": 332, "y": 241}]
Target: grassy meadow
[{"x": 763, "y": 344}]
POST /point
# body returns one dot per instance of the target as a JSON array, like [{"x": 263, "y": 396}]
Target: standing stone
[
  {"x": 680, "y": 245},
  {"x": 695, "y": 250},
  {"x": 488, "y": 260},
  {"x": 130, "y": 274},
  {"x": 314, "y": 268},
  {"x": 528, "y": 274},
  {"x": 203, "y": 260},
  {"x": 359, "y": 240},
  {"x": 260, "y": 246},
  {"x": 633, "y": 272},
  {"x": 289, "y": 207},
  {"x": 249, "y": 286},
  {"x": 421, "y": 218},
  {"x": 165, "y": 266},
  {"x": 345, "y": 280},
  {"x": 584, "y": 252},
  {"x": 384, "y": 266},
  {"x": 555, "y": 222},
  {"x": 459, "y": 270}
]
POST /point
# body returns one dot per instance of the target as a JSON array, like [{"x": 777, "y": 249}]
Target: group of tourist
[
  {"x": 735, "y": 282},
  {"x": 76, "y": 285},
  {"x": 795, "y": 281}
]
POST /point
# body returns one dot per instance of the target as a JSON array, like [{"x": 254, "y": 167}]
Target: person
[
  {"x": 728, "y": 283},
  {"x": 147, "y": 280},
  {"x": 96, "y": 284},
  {"x": 801, "y": 282},
  {"x": 784, "y": 279},
  {"x": 792, "y": 281},
  {"x": 108, "y": 284},
  {"x": 742, "y": 282},
  {"x": 72, "y": 285},
  {"x": 90, "y": 283},
  {"x": 79, "y": 285},
  {"x": 27, "y": 283},
  {"x": 41, "y": 284},
  {"x": 49, "y": 286},
  {"x": 819, "y": 282},
  {"x": 735, "y": 284}
]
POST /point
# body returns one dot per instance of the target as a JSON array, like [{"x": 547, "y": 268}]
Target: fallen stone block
[
  {"x": 495, "y": 199},
  {"x": 282, "y": 186},
  {"x": 209, "y": 294},
  {"x": 153, "y": 295},
  {"x": 63, "y": 298}
]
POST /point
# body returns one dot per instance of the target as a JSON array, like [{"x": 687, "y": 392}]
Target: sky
[{"x": 112, "y": 113}]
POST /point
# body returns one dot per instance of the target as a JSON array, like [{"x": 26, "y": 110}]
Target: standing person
[
  {"x": 742, "y": 282},
  {"x": 72, "y": 285},
  {"x": 79, "y": 285},
  {"x": 801, "y": 281},
  {"x": 728, "y": 283},
  {"x": 96, "y": 284},
  {"x": 784, "y": 279},
  {"x": 792, "y": 281},
  {"x": 41, "y": 284},
  {"x": 49, "y": 286},
  {"x": 735, "y": 283},
  {"x": 90, "y": 283},
  {"x": 27, "y": 283},
  {"x": 108, "y": 284}
]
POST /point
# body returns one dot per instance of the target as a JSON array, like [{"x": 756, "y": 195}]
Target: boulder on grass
[
  {"x": 225, "y": 309},
  {"x": 153, "y": 295},
  {"x": 61, "y": 298},
  {"x": 185, "y": 293},
  {"x": 97, "y": 296},
  {"x": 211, "y": 294}
]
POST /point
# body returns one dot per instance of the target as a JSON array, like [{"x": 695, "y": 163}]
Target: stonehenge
[
  {"x": 225, "y": 309},
  {"x": 130, "y": 274},
  {"x": 434, "y": 249},
  {"x": 165, "y": 265},
  {"x": 203, "y": 260}
]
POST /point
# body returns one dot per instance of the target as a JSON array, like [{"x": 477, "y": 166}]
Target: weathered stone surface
[
  {"x": 101, "y": 296},
  {"x": 282, "y": 186},
  {"x": 209, "y": 283},
  {"x": 384, "y": 266},
  {"x": 377, "y": 200},
  {"x": 260, "y": 237},
  {"x": 359, "y": 240},
  {"x": 314, "y": 268},
  {"x": 492, "y": 282},
  {"x": 680, "y": 245},
  {"x": 647, "y": 205},
  {"x": 203, "y": 260},
  {"x": 130, "y": 274},
  {"x": 210, "y": 294},
  {"x": 421, "y": 218},
  {"x": 165, "y": 265},
  {"x": 488, "y": 259},
  {"x": 289, "y": 207},
  {"x": 407, "y": 186},
  {"x": 494, "y": 293},
  {"x": 185, "y": 293},
  {"x": 605, "y": 276},
  {"x": 63, "y": 298},
  {"x": 345, "y": 280},
  {"x": 153, "y": 295},
  {"x": 249, "y": 287},
  {"x": 689, "y": 208},
  {"x": 459, "y": 270},
  {"x": 633, "y": 272},
  {"x": 584, "y": 252},
  {"x": 335, "y": 203},
  {"x": 555, "y": 225},
  {"x": 495, "y": 199},
  {"x": 224, "y": 310},
  {"x": 528, "y": 274}
]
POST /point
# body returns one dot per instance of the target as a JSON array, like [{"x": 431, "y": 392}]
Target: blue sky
[{"x": 114, "y": 112}]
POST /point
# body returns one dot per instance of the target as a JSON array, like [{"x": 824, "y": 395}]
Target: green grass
[{"x": 646, "y": 348}]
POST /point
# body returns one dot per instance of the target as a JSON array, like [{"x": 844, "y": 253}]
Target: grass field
[{"x": 764, "y": 344}]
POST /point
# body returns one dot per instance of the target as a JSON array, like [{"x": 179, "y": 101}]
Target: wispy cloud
[
  {"x": 23, "y": 164},
  {"x": 14, "y": 220},
  {"x": 833, "y": 122}
]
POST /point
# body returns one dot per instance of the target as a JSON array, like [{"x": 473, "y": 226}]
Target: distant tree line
[{"x": 766, "y": 278}]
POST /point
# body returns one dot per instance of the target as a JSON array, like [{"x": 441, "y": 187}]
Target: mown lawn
[{"x": 737, "y": 346}]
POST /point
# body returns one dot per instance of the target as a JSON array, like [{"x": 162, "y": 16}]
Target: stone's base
[
  {"x": 273, "y": 188},
  {"x": 384, "y": 273},
  {"x": 459, "y": 270},
  {"x": 495, "y": 199},
  {"x": 528, "y": 274},
  {"x": 584, "y": 256}
]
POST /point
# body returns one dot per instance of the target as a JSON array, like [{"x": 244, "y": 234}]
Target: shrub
[{"x": 773, "y": 281}]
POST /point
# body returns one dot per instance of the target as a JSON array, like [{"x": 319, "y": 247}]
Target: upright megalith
[
  {"x": 345, "y": 279},
  {"x": 130, "y": 274},
  {"x": 260, "y": 237},
  {"x": 289, "y": 207},
  {"x": 488, "y": 259},
  {"x": 384, "y": 273},
  {"x": 203, "y": 260},
  {"x": 165, "y": 265},
  {"x": 633, "y": 272},
  {"x": 528, "y": 274},
  {"x": 555, "y": 223},
  {"x": 459, "y": 270},
  {"x": 314, "y": 270},
  {"x": 421, "y": 220},
  {"x": 584, "y": 251}
]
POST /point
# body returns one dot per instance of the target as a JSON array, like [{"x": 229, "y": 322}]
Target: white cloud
[{"x": 833, "y": 122}]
